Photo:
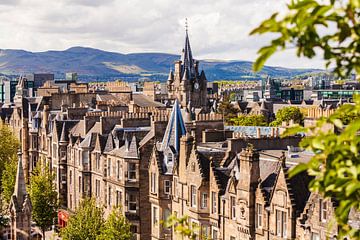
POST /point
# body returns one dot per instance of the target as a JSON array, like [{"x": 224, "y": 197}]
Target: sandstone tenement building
[{"x": 155, "y": 160}]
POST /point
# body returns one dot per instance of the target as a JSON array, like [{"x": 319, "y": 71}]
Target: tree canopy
[
  {"x": 248, "y": 120},
  {"x": 88, "y": 223},
  {"x": 286, "y": 114},
  {"x": 116, "y": 227},
  {"x": 43, "y": 196}
]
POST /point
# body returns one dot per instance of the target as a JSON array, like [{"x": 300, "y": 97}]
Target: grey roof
[
  {"x": 187, "y": 58},
  {"x": 89, "y": 141},
  {"x": 20, "y": 186},
  {"x": 110, "y": 144},
  {"x": 174, "y": 130},
  {"x": 144, "y": 101}
]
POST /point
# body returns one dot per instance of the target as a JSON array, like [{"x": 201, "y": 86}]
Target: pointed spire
[
  {"x": 63, "y": 134},
  {"x": 187, "y": 58},
  {"x": 20, "y": 186},
  {"x": 171, "y": 76},
  {"x": 185, "y": 75},
  {"x": 174, "y": 130}
]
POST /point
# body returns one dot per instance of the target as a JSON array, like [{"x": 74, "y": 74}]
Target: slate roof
[
  {"x": 144, "y": 101},
  {"x": 89, "y": 141},
  {"x": 174, "y": 130}
]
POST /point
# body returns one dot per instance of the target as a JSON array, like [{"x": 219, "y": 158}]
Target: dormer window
[
  {"x": 193, "y": 167},
  {"x": 169, "y": 158}
]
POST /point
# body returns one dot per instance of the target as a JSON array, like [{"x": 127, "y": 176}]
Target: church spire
[
  {"x": 187, "y": 58},
  {"x": 20, "y": 187}
]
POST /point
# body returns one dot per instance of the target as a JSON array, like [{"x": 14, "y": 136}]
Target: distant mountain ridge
[{"x": 94, "y": 64}]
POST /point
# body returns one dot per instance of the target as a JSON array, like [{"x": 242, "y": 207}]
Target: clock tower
[{"x": 186, "y": 83}]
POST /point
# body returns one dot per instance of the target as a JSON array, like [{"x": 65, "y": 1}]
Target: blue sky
[{"x": 218, "y": 29}]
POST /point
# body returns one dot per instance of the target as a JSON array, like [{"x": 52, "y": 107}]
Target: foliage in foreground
[
  {"x": 43, "y": 196},
  {"x": 336, "y": 164},
  {"x": 88, "y": 223}
]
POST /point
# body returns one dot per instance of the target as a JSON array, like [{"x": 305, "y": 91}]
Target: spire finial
[{"x": 186, "y": 25}]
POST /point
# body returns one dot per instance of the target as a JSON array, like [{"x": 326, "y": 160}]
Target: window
[
  {"x": 133, "y": 229},
  {"x": 85, "y": 157},
  {"x": 169, "y": 158},
  {"x": 193, "y": 167},
  {"x": 214, "y": 234},
  {"x": 232, "y": 238},
  {"x": 176, "y": 188},
  {"x": 258, "y": 218},
  {"x": 155, "y": 217},
  {"x": 54, "y": 151},
  {"x": 70, "y": 177},
  {"x": 132, "y": 202},
  {"x": 205, "y": 231},
  {"x": 281, "y": 223},
  {"x": 315, "y": 236},
  {"x": 97, "y": 188},
  {"x": 167, "y": 214},
  {"x": 80, "y": 184},
  {"x": 214, "y": 202},
  {"x": 118, "y": 198},
  {"x": 118, "y": 170},
  {"x": 109, "y": 196},
  {"x": 132, "y": 171},
  {"x": 153, "y": 182},
  {"x": 97, "y": 156},
  {"x": 232, "y": 207},
  {"x": 109, "y": 168},
  {"x": 71, "y": 201},
  {"x": 167, "y": 187},
  {"x": 323, "y": 210},
  {"x": 193, "y": 195},
  {"x": 204, "y": 200}
]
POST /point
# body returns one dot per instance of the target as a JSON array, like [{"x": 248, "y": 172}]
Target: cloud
[{"x": 217, "y": 28}]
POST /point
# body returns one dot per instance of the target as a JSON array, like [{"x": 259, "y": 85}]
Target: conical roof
[
  {"x": 187, "y": 58},
  {"x": 63, "y": 134},
  {"x": 174, "y": 130},
  {"x": 171, "y": 76},
  {"x": 20, "y": 186}
]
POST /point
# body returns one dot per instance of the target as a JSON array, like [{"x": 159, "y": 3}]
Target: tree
[
  {"x": 248, "y": 120},
  {"x": 8, "y": 179},
  {"x": 336, "y": 163},
  {"x": 306, "y": 26},
  {"x": 227, "y": 109},
  {"x": 286, "y": 114},
  {"x": 43, "y": 197},
  {"x": 86, "y": 223},
  {"x": 116, "y": 227},
  {"x": 9, "y": 146},
  {"x": 183, "y": 227}
]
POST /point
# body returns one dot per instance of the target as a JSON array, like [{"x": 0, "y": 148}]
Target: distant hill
[{"x": 94, "y": 64}]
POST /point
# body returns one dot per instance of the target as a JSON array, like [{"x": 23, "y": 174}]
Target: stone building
[
  {"x": 186, "y": 83},
  {"x": 20, "y": 208}
]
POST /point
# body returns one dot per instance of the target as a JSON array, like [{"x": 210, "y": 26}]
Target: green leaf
[{"x": 301, "y": 167}]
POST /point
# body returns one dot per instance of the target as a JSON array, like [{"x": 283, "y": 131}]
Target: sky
[{"x": 218, "y": 29}]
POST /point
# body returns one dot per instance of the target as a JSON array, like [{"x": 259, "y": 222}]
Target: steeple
[
  {"x": 171, "y": 76},
  {"x": 174, "y": 130},
  {"x": 20, "y": 207},
  {"x": 63, "y": 134},
  {"x": 20, "y": 187},
  {"x": 187, "y": 58}
]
